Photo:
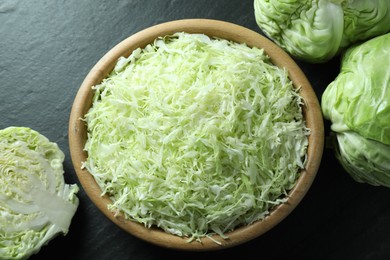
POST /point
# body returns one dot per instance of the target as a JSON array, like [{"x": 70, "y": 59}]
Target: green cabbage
[
  {"x": 358, "y": 104},
  {"x": 35, "y": 203},
  {"x": 317, "y": 30},
  {"x": 196, "y": 135}
]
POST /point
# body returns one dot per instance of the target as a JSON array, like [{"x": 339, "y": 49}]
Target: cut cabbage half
[{"x": 35, "y": 203}]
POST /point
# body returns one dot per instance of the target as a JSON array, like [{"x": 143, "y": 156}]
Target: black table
[{"x": 46, "y": 49}]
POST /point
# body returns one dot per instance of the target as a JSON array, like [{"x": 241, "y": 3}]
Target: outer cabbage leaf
[
  {"x": 364, "y": 20},
  {"x": 366, "y": 160},
  {"x": 35, "y": 203},
  {"x": 317, "y": 30},
  {"x": 358, "y": 104}
]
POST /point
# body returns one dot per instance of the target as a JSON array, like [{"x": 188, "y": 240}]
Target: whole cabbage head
[
  {"x": 35, "y": 203},
  {"x": 357, "y": 103},
  {"x": 317, "y": 30}
]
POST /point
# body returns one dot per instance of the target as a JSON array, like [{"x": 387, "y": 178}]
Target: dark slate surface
[{"x": 46, "y": 49}]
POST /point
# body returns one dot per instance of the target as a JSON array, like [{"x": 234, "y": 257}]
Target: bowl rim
[{"x": 215, "y": 28}]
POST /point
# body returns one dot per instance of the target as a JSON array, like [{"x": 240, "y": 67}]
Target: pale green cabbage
[
  {"x": 196, "y": 135},
  {"x": 358, "y": 104},
  {"x": 35, "y": 203},
  {"x": 317, "y": 30}
]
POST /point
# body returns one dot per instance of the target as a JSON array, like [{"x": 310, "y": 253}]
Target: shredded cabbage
[
  {"x": 35, "y": 203},
  {"x": 196, "y": 135}
]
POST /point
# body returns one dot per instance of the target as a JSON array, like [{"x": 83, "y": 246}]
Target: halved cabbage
[{"x": 35, "y": 203}]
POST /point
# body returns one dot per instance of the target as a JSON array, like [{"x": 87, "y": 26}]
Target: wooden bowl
[{"x": 311, "y": 110}]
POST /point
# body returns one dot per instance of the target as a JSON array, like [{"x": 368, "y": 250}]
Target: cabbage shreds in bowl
[{"x": 196, "y": 135}]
